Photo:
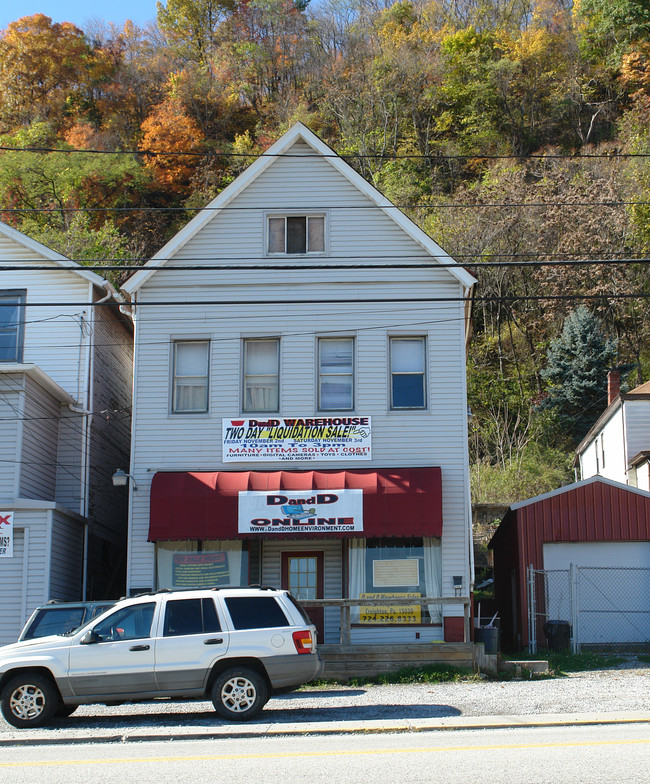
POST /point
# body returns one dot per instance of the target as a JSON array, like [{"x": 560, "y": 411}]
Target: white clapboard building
[
  {"x": 65, "y": 394},
  {"x": 300, "y": 413}
]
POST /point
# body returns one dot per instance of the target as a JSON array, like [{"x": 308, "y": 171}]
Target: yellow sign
[{"x": 390, "y": 613}]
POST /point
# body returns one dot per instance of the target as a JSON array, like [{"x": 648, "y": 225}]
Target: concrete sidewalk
[{"x": 139, "y": 734}]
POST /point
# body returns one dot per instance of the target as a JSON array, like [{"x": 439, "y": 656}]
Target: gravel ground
[{"x": 625, "y": 688}]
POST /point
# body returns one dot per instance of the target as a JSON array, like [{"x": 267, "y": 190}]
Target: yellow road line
[{"x": 338, "y": 753}]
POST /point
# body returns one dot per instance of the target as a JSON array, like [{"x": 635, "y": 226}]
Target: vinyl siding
[
  {"x": 10, "y": 435},
  {"x": 637, "y": 426},
  {"x": 436, "y": 436},
  {"x": 26, "y": 572},
  {"x": 39, "y": 443},
  {"x": 54, "y": 337},
  {"x": 67, "y": 558}
]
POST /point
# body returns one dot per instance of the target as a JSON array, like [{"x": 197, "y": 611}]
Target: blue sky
[{"x": 80, "y": 11}]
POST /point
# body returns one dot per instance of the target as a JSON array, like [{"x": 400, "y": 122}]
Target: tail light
[{"x": 303, "y": 641}]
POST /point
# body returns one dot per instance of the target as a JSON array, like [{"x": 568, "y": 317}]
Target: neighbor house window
[
  {"x": 191, "y": 375},
  {"x": 407, "y": 373},
  {"x": 261, "y": 374},
  {"x": 335, "y": 374},
  {"x": 293, "y": 234},
  {"x": 12, "y": 317}
]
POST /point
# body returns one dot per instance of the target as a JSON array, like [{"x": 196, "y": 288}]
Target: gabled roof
[
  {"x": 51, "y": 255},
  {"x": 298, "y": 132},
  {"x": 576, "y": 486},
  {"x": 641, "y": 392}
]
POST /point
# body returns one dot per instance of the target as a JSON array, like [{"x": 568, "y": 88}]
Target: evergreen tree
[{"x": 576, "y": 373}]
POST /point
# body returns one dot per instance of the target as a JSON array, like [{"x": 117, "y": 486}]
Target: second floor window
[
  {"x": 293, "y": 234},
  {"x": 261, "y": 375},
  {"x": 336, "y": 374},
  {"x": 191, "y": 374},
  {"x": 407, "y": 373},
  {"x": 12, "y": 316}
]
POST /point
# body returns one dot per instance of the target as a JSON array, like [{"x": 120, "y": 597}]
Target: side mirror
[{"x": 90, "y": 637}]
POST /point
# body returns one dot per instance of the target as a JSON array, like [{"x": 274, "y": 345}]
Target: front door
[{"x": 302, "y": 575}]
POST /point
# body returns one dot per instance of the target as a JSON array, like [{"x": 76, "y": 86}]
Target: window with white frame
[
  {"x": 296, "y": 234},
  {"x": 191, "y": 360},
  {"x": 336, "y": 374},
  {"x": 261, "y": 374},
  {"x": 407, "y": 372},
  {"x": 12, "y": 318}
]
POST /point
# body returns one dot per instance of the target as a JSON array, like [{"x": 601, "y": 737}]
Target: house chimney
[{"x": 613, "y": 386}]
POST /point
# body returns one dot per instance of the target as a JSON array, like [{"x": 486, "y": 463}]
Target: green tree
[
  {"x": 193, "y": 25},
  {"x": 576, "y": 369}
]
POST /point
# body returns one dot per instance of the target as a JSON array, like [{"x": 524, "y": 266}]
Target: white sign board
[
  {"x": 300, "y": 511},
  {"x": 6, "y": 534},
  {"x": 294, "y": 440}
]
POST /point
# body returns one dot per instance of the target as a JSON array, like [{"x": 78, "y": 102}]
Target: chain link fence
[{"x": 589, "y": 608}]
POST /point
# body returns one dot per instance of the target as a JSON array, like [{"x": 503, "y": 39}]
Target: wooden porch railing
[{"x": 346, "y": 604}]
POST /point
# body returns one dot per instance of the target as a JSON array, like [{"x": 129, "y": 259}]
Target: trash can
[
  {"x": 558, "y": 635},
  {"x": 489, "y": 636}
]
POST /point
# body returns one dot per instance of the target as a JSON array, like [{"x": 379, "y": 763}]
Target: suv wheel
[
  {"x": 29, "y": 700},
  {"x": 239, "y": 694}
]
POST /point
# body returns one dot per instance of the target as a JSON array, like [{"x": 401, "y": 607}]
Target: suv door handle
[
  {"x": 213, "y": 641},
  {"x": 139, "y": 648}
]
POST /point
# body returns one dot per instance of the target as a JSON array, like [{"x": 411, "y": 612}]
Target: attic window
[{"x": 294, "y": 234}]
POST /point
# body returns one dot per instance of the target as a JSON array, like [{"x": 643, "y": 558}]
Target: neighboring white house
[
  {"x": 65, "y": 398},
  {"x": 300, "y": 414},
  {"x": 617, "y": 445}
]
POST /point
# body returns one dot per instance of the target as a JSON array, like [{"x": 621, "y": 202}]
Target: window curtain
[
  {"x": 357, "y": 573},
  {"x": 433, "y": 575},
  {"x": 261, "y": 375}
]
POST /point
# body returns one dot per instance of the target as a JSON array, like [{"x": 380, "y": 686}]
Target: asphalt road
[{"x": 606, "y": 754}]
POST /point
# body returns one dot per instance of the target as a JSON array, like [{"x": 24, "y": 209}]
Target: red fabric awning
[{"x": 204, "y": 504}]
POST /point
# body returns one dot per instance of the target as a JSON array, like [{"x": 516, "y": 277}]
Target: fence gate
[{"x": 606, "y": 607}]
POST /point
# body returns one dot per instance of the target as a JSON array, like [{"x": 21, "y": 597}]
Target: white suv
[{"x": 236, "y": 646}]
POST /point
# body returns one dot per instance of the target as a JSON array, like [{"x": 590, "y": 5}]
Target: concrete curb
[{"x": 334, "y": 728}]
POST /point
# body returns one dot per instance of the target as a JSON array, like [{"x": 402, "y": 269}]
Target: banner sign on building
[
  {"x": 395, "y": 613},
  {"x": 294, "y": 439},
  {"x": 6, "y": 534},
  {"x": 300, "y": 511},
  {"x": 200, "y": 570}
]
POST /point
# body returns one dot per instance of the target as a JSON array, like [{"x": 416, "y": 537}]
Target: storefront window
[
  {"x": 395, "y": 568},
  {"x": 201, "y": 564}
]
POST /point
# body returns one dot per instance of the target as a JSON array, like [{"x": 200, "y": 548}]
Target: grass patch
[
  {"x": 561, "y": 663},
  {"x": 428, "y": 674}
]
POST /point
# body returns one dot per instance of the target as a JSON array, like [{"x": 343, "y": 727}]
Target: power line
[
  {"x": 262, "y": 208},
  {"x": 298, "y": 266},
  {"x": 119, "y": 263},
  {"x": 363, "y": 156},
  {"x": 344, "y": 300}
]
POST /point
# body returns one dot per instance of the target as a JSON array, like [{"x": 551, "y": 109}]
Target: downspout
[{"x": 133, "y": 311}]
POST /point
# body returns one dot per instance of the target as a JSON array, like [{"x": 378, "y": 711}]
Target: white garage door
[
  {"x": 611, "y": 589},
  {"x": 623, "y": 554}
]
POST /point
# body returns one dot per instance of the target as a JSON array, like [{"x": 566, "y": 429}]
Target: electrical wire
[
  {"x": 353, "y": 265},
  {"x": 345, "y": 300},
  {"x": 347, "y": 156},
  {"x": 354, "y": 207}
]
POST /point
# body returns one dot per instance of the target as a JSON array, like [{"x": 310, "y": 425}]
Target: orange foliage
[
  {"x": 169, "y": 128},
  {"x": 41, "y": 64}
]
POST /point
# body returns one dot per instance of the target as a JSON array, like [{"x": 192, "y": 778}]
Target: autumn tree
[
  {"x": 43, "y": 66},
  {"x": 168, "y": 133},
  {"x": 193, "y": 26}
]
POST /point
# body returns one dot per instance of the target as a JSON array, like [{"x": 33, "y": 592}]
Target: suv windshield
[{"x": 56, "y": 620}]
